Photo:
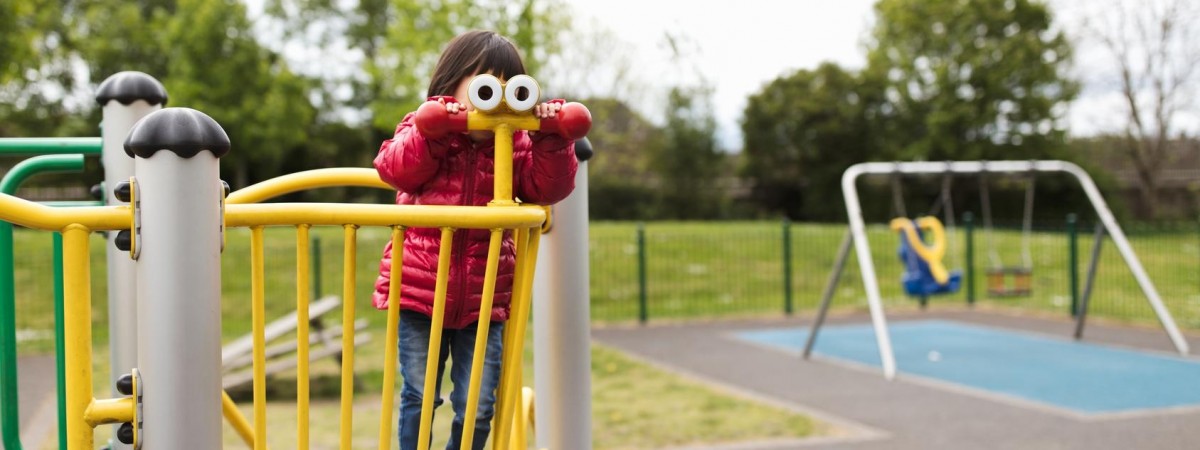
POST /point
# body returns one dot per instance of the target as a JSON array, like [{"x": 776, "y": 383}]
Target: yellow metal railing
[
  {"x": 513, "y": 406},
  {"x": 84, "y": 410}
]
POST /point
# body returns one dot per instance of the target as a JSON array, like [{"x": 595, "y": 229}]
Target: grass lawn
[{"x": 634, "y": 406}]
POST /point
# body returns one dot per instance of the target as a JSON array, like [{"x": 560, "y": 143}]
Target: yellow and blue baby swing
[{"x": 924, "y": 272}]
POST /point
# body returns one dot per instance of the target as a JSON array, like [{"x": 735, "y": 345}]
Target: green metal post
[
  {"x": 59, "y": 341},
  {"x": 9, "y": 400},
  {"x": 787, "y": 266},
  {"x": 1073, "y": 262},
  {"x": 643, "y": 313},
  {"x": 9, "y": 416},
  {"x": 969, "y": 226},
  {"x": 50, "y": 146}
]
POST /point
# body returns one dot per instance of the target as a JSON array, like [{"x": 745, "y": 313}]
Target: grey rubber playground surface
[{"x": 913, "y": 412}]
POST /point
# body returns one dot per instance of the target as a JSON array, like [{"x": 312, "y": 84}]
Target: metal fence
[{"x": 673, "y": 271}]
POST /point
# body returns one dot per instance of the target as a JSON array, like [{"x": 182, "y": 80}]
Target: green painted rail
[
  {"x": 9, "y": 414},
  {"x": 50, "y": 146}
]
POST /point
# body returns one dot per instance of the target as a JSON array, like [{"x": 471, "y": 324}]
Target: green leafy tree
[
  {"x": 801, "y": 132},
  {"x": 689, "y": 166},
  {"x": 618, "y": 173},
  {"x": 981, "y": 79},
  {"x": 34, "y": 45},
  {"x": 262, "y": 106},
  {"x": 404, "y": 62}
]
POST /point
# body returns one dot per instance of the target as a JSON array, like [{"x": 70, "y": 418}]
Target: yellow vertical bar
[
  {"x": 435, "y": 338},
  {"x": 502, "y": 420},
  {"x": 350, "y": 252},
  {"x": 389, "y": 353},
  {"x": 258, "y": 318},
  {"x": 481, "y": 338},
  {"x": 302, "y": 301},
  {"x": 514, "y": 346},
  {"x": 503, "y": 188},
  {"x": 77, "y": 335}
]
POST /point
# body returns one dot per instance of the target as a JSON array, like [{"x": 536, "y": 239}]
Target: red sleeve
[
  {"x": 408, "y": 160},
  {"x": 545, "y": 168}
]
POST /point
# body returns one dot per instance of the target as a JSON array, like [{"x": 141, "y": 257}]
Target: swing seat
[
  {"x": 924, "y": 274},
  {"x": 920, "y": 283},
  {"x": 1009, "y": 282}
]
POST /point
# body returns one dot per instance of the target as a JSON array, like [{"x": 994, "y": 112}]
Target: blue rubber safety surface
[{"x": 1078, "y": 376}]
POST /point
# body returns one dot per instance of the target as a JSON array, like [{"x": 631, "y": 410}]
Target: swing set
[{"x": 1002, "y": 280}]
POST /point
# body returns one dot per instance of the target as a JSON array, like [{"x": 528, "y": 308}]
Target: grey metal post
[
  {"x": 1093, "y": 265},
  {"x": 124, "y": 99},
  {"x": 827, "y": 297},
  {"x": 561, "y": 326},
  {"x": 178, "y": 251}
]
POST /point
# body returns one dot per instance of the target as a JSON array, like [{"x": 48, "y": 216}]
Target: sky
[{"x": 739, "y": 46}]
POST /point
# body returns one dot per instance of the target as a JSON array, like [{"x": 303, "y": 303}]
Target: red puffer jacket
[{"x": 455, "y": 170}]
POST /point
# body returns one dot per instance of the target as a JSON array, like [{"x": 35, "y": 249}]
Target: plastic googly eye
[
  {"x": 485, "y": 92},
  {"x": 522, "y": 93}
]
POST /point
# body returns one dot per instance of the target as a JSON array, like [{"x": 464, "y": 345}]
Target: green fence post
[
  {"x": 787, "y": 266},
  {"x": 59, "y": 340},
  {"x": 969, "y": 225},
  {"x": 1073, "y": 262},
  {"x": 643, "y": 312}
]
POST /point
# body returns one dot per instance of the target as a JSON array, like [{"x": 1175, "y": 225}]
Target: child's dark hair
[{"x": 471, "y": 53}]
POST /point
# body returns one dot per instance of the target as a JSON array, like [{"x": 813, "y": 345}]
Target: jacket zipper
[{"x": 460, "y": 241}]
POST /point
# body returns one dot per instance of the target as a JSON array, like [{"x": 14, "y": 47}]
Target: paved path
[
  {"x": 36, "y": 382},
  {"x": 909, "y": 413}
]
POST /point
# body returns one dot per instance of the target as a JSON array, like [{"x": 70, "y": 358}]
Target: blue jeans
[{"x": 460, "y": 346}]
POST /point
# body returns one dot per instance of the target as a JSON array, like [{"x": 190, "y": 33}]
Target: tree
[
  {"x": 801, "y": 131},
  {"x": 262, "y": 106},
  {"x": 618, "y": 174},
  {"x": 689, "y": 165},
  {"x": 415, "y": 39},
  {"x": 1155, "y": 46},
  {"x": 970, "y": 79}
]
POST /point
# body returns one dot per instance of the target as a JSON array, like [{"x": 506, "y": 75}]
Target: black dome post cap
[
  {"x": 184, "y": 131},
  {"x": 583, "y": 149},
  {"x": 130, "y": 86}
]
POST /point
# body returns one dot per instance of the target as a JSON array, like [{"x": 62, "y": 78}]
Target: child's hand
[
  {"x": 547, "y": 110},
  {"x": 452, "y": 107}
]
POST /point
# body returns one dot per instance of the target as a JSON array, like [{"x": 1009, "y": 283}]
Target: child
[{"x": 457, "y": 169}]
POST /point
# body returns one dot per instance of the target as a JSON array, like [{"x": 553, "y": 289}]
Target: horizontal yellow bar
[
  {"x": 310, "y": 179},
  {"x": 111, "y": 410},
  {"x": 33, "y": 215},
  {"x": 426, "y": 216},
  {"x": 488, "y": 121}
]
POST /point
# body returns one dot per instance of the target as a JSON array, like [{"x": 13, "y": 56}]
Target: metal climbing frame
[{"x": 857, "y": 234}]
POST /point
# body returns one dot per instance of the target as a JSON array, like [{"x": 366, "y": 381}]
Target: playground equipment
[
  {"x": 857, "y": 235},
  {"x": 1002, "y": 280},
  {"x": 125, "y": 98},
  {"x": 174, "y": 227},
  {"x": 924, "y": 273}
]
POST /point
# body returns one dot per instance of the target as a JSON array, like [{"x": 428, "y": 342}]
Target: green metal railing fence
[{"x": 677, "y": 270}]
